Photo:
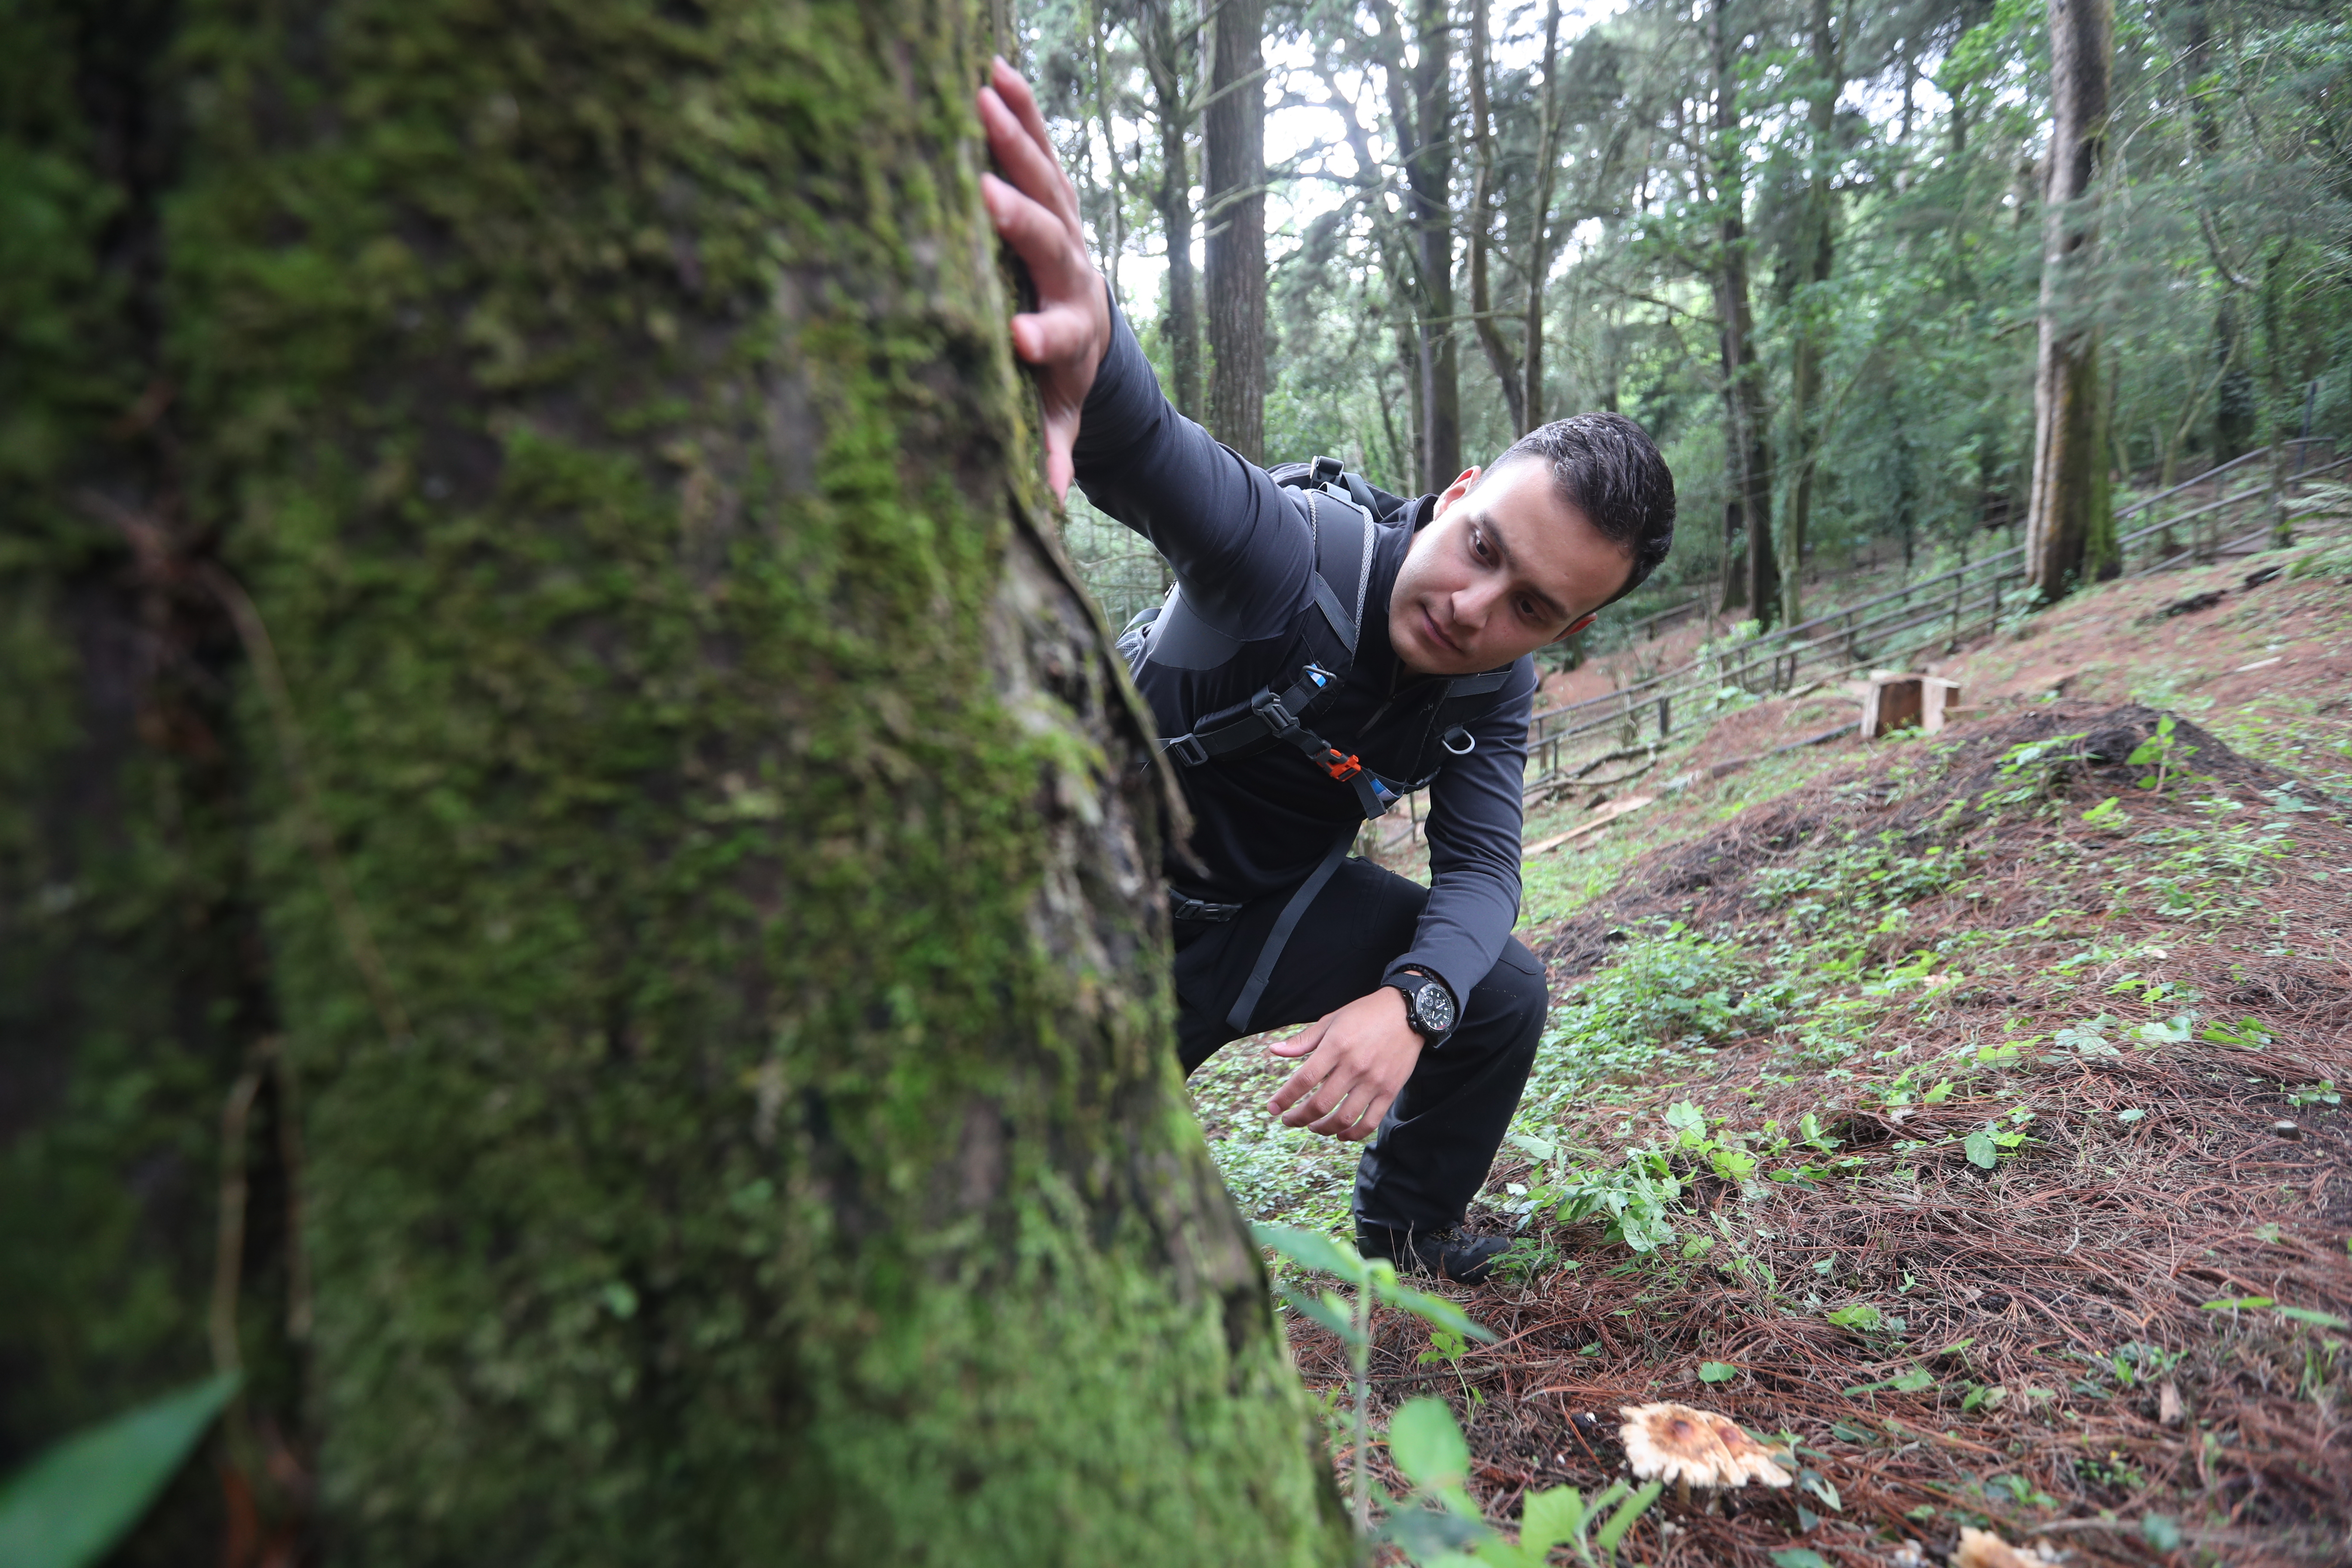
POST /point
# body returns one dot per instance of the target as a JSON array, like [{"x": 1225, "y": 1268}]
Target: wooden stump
[{"x": 1896, "y": 700}]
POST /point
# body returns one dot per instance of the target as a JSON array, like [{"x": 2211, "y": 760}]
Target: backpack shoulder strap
[{"x": 1342, "y": 533}]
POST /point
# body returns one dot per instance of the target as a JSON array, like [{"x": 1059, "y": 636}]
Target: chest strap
[{"x": 1270, "y": 717}]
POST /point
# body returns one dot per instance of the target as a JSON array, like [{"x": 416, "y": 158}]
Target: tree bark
[
  {"x": 2070, "y": 455},
  {"x": 2233, "y": 405},
  {"x": 2276, "y": 408},
  {"x": 1817, "y": 241},
  {"x": 1233, "y": 193},
  {"x": 1499, "y": 357},
  {"x": 1164, "y": 61},
  {"x": 743, "y": 1124},
  {"x": 1752, "y": 577},
  {"x": 1115, "y": 230},
  {"x": 1429, "y": 180},
  {"x": 1539, "y": 229}
]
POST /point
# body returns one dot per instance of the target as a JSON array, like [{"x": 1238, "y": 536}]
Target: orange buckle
[{"x": 1344, "y": 768}]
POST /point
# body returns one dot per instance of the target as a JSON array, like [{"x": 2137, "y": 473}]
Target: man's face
[{"x": 1499, "y": 571}]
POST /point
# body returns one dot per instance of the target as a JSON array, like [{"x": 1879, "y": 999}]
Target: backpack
[{"x": 1342, "y": 512}]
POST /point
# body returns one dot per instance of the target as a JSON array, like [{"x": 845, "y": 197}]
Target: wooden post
[{"x": 1939, "y": 703}]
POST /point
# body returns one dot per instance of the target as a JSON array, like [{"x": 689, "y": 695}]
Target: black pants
[{"x": 1438, "y": 1141}]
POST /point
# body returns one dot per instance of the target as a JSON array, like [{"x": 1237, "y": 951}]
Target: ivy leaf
[{"x": 1981, "y": 1151}]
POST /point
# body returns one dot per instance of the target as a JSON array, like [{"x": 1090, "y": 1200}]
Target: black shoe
[{"x": 1450, "y": 1254}]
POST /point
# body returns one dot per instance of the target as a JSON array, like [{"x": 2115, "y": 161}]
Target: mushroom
[
  {"x": 1983, "y": 1548},
  {"x": 1694, "y": 1448}
]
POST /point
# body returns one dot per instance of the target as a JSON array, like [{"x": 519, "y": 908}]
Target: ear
[
  {"x": 1576, "y": 626},
  {"x": 1456, "y": 491}
]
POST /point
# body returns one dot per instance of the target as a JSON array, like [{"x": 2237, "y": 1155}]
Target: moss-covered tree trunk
[
  {"x": 2067, "y": 506},
  {"x": 697, "y": 863}
]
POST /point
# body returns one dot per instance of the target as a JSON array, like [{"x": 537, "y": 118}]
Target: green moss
[
  {"x": 609, "y": 409},
  {"x": 126, "y": 992}
]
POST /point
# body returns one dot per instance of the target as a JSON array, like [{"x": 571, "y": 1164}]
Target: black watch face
[{"x": 1433, "y": 1005}]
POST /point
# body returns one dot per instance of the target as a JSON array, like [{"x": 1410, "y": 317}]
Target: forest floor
[{"x": 1967, "y": 1109}]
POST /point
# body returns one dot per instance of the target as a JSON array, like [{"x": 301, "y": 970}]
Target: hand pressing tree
[{"x": 1035, "y": 209}]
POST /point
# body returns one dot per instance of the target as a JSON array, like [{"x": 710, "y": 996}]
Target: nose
[{"x": 1472, "y": 604}]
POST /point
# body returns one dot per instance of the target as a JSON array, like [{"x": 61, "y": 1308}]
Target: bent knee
[{"x": 1515, "y": 985}]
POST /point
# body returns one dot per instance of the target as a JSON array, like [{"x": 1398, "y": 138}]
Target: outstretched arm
[
  {"x": 1035, "y": 208},
  {"x": 1240, "y": 550}
]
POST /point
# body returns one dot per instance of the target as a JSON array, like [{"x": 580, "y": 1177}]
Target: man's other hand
[
  {"x": 1357, "y": 1060},
  {"x": 1035, "y": 208}
]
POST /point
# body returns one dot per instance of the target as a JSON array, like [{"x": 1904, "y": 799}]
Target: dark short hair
[{"x": 1607, "y": 467}]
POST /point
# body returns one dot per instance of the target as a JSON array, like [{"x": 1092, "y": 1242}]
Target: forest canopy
[{"x": 1820, "y": 224}]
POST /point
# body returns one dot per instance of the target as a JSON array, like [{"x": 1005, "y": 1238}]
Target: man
[{"x": 1291, "y": 715}]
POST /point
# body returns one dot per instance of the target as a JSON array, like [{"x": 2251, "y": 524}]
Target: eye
[{"x": 1478, "y": 543}]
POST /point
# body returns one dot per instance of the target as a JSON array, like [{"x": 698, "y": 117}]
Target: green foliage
[
  {"x": 1664, "y": 992},
  {"x": 1564, "y": 1517},
  {"x": 69, "y": 1507},
  {"x": 2161, "y": 749},
  {"x": 1423, "y": 1437},
  {"x": 1857, "y": 882}
]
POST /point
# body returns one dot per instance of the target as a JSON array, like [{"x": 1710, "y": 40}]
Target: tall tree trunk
[
  {"x": 1818, "y": 242},
  {"x": 1164, "y": 61},
  {"x": 1752, "y": 578},
  {"x": 2070, "y": 448},
  {"x": 1430, "y": 177},
  {"x": 2277, "y": 410},
  {"x": 691, "y": 820},
  {"x": 1233, "y": 193},
  {"x": 2233, "y": 405},
  {"x": 1539, "y": 227},
  {"x": 1114, "y": 231},
  {"x": 1499, "y": 357}
]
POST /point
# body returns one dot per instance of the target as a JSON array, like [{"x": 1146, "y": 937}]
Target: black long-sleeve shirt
[{"x": 1242, "y": 552}]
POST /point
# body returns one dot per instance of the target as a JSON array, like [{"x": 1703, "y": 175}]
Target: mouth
[{"x": 1429, "y": 628}]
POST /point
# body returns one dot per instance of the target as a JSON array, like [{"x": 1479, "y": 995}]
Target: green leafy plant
[
  {"x": 1861, "y": 1318},
  {"x": 2108, "y": 813},
  {"x": 2036, "y": 765},
  {"x": 1986, "y": 1145},
  {"x": 1438, "y": 1526},
  {"x": 1910, "y": 1381},
  {"x": 2162, "y": 750},
  {"x": 1447, "y": 1347},
  {"x": 1563, "y": 1516},
  {"x": 1634, "y": 1200},
  {"x": 1375, "y": 1281},
  {"x": 2246, "y": 1034},
  {"x": 77, "y": 1499},
  {"x": 1437, "y": 1523}
]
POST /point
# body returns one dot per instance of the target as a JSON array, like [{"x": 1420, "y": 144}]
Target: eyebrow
[{"x": 1503, "y": 548}]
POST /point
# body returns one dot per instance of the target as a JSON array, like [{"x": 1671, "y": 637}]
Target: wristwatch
[{"x": 1428, "y": 1005}]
